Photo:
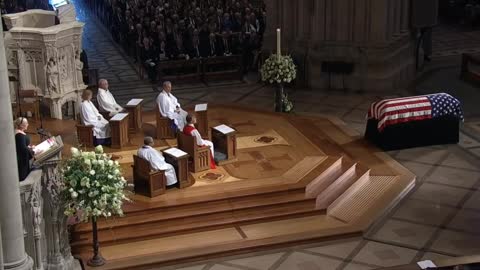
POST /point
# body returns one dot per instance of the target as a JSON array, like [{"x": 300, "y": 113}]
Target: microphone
[{"x": 43, "y": 132}]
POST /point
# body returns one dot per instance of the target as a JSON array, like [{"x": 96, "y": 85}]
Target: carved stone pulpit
[
  {"x": 45, "y": 225},
  {"x": 46, "y": 57}
]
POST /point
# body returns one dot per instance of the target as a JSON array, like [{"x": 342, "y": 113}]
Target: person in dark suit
[
  {"x": 204, "y": 41},
  {"x": 224, "y": 44},
  {"x": 195, "y": 47},
  {"x": 149, "y": 58},
  {"x": 24, "y": 148}
]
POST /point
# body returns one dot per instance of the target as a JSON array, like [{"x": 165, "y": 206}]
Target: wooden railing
[
  {"x": 204, "y": 69},
  {"x": 189, "y": 70},
  {"x": 222, "y": 67}
]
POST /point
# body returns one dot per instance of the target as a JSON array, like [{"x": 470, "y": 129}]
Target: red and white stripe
[{"x": 400, "y": 110}]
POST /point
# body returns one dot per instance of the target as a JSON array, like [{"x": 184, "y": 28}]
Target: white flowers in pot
[
  {"x": 279, "y": 69},
  {"x": 93, "y": 185}
]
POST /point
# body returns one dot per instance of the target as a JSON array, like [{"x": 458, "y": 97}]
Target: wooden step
[
  {"x": 329, "y": 176},
  {"x": 157, "y": 252},
  {"x": 360, "y": 197},
  {"x": 197, "y": 209},
  {"x": 345, "y": 181},
  {"x": 198, "y": 223}
]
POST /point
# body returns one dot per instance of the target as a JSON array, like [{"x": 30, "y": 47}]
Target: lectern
[
  {"x": 134, "y": 109},
  {"x": 224, "y": 139},
  {"x": 202, "y": 119},
  {"x": 119, "y": 128},
  {"x": 179, "y": 160}
]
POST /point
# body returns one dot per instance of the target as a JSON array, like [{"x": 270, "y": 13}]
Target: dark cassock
[{"x": 24, "y": 154}]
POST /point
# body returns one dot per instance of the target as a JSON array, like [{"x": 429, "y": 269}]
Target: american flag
[{"x": 401, "y": 110}]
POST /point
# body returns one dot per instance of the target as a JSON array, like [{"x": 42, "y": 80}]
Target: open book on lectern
[{"x": 47, "y": 149}]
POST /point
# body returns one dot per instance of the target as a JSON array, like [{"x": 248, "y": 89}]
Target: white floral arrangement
[
  {"x": 278, "y": 69},
  {"x": 93, "y": 185}
]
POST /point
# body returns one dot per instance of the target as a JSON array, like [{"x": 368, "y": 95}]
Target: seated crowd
[
  {"x": 466, "y": 12},
  {"x": 158, "y": 30}
]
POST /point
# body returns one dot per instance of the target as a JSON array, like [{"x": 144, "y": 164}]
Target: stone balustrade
[
  {"x": 45, "y": 225},
  {"x": 32, "y": 204}
]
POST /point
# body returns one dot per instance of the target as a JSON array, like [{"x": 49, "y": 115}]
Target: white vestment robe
[
  {"x": 107, "y": 102},
  {"x": 91, "y": 116},
  {"x": 157, "y": 161},
  {"x": 200, "y": 141},
  {"x": 167, "y": 105}
]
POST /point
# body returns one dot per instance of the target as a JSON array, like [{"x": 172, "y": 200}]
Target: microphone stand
[{"x": 44, "y": 134}]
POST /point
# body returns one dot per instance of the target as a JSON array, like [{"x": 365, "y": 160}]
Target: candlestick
[{"x": 279, "y": 52}]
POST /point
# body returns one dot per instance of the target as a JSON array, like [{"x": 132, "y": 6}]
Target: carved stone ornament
[
  {"x": 35, "y": 201},
  {"x": 52, "y": 181}
]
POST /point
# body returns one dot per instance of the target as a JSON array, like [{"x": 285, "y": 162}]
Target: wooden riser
[
  {"x": 197, "y": 209},
  {"x": 198, "y": 223},
  {"x": 184, "y": 248}
]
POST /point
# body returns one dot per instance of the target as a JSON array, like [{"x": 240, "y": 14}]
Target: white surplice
[
  {"x": 200, "y": 141},
  {"x": 167, "y": 105},
  {"x": 157, "y": 161},
  {"x": 107, "y": 102},
  {"x": 91, "y": 116}
]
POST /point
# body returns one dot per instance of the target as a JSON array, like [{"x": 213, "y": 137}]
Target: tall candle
[{"x": 278, "y": 42}]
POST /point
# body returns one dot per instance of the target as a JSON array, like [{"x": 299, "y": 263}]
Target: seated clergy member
[
  {"x": 170, "y": 108},
  {"x": 190, "y": 130},
  {"x": 90, "y": 116},
  {"x": 105, "y": 99},
  {"x": 157, "y": 161}
]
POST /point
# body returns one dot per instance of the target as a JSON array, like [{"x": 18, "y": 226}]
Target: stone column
[
  {"x": 1, "y": 251},
  {"x": 405, "y": 15},
  {"x": 268, "y": 44},
  {"x": 10, "y": 210},
  {"x": 59, "y": 256}
]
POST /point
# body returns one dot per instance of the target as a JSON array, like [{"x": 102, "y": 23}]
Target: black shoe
[{"x": 176, "y": 185}]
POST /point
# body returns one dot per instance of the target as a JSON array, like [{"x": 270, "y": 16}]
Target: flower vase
[
  {"x": 97, "y": 259},
  {"x": 279, "y": 98}
]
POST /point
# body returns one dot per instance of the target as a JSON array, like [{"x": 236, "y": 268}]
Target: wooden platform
[{"x": 297, "y": 179}]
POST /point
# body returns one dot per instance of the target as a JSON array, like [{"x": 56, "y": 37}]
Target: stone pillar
[
  {"x": 59, "y": 256},
  {"x": 405, "y": 15},
  {"x": 10, "y": 210},
  {"x": 269, "y": 38},
  {"x": 1, "y": 251}
]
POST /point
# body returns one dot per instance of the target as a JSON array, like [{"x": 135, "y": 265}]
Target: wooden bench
[
  {"x": 180, "y": 70},
  {"x": 84, "y": 133},
  {"x": 467, "y": 73},
  {"x": 164, "y": 126},
  {"x": 199, "y": 155},
  {"x": 222, "y": 68},
  {"x": 146, "y": 181}
]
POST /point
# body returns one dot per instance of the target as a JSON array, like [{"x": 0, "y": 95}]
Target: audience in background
[
  {"x": 466, "y": 12},
  {"x": 159, "y": 30}
]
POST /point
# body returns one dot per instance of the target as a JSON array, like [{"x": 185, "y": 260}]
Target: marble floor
[{"x": 440, "y": 217}]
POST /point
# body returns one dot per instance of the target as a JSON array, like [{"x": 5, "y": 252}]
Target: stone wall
[{"x": 374, "y": 35}]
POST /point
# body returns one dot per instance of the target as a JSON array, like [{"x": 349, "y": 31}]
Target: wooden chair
[
  {"x": 28, "y": 101},
  {"x": 146, "y": 181},
  {"x": 84, "y": 133},
  {"x": 164, "y": 126},
  {"x": 199, "y": 155}
]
